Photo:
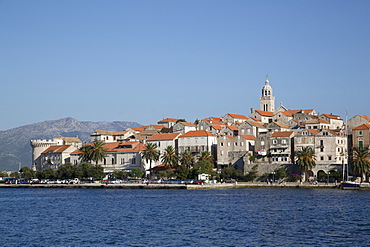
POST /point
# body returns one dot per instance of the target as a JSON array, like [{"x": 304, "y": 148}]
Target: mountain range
[{"x": 15, "y": 148}]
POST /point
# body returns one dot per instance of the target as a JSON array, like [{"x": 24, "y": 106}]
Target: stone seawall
[{"x": 172, "y": 186}]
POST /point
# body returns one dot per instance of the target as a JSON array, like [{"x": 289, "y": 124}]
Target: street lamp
[{"x": 273, "y": 177}]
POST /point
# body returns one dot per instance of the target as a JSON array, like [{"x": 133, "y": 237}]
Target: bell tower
[{"x": 267, "y": 101}]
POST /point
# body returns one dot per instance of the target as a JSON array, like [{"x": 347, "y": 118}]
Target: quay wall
[{"x": 173, "y": 186}]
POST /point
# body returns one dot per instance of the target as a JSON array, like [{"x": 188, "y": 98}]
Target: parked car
[
  {"x": 75, "y": 181},
  {"x": 155, "y": 181},
  {"x": 230, "y": 180},
  {"x": 198, "y": 182}
]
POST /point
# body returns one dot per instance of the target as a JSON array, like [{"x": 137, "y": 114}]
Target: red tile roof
[
  {"x": 265, "y": 113},
  {"x": 331, "y": 116},
  {"x": 286, "y": 113},
  {"x": 237, "y": 116},
  {"x": 196, "y": 133},
  {"x": 56, "y": 149},
  {"x": 282, "y": 134},
  {"x": 169, "y": 120},
  {"x": 157, "y": 126},
  {"x": 255, "y": 119},
  {"x": 365, "y": 117},
  {"x": 248, "y": 137},
  {"x": 138, "y": 128},
  {"x": 362, "y": 127},
  {"x": 188, "y": 124},
  {"x": 314, "y": 132},
  {"x": 233, "y": 127},
  {"x": 162, "y": 137}
]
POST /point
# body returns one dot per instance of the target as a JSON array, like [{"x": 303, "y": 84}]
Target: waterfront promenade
[{"x": 177, "y": 186}]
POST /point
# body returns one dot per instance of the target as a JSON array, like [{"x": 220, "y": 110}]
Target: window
[
  {"x": 122, "y": 160},
  {"x": 221, "y": 152},
  {"x": 228, "y": 144},
  {"x": 360, "y": 132},
  {"x": 274, "y": 141},
  {"x": 241, "y": 143},
  {"x": 221, "y": 144},
  {"x": 133, "y": 161},
  {"x": 283, "y": 141},
  {"x": 360, "y": 144},
  {"x": 262, "y": 143},
  {"x": 321, "y": 157},
  {"x": 235, "y": 143},
  {"x": 329, "y": 157}
]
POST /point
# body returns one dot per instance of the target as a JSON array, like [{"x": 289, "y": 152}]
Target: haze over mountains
[{"x": 15, "y": 148}]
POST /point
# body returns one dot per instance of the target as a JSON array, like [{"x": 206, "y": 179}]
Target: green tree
[
  {"x": 231, "y": 172},
  {"x": 14, "y": 175},
  {"x": 89, "y": 171},
  {"x": 280, "y": 173},
  {"x": 166, "y": 174},
  {"x": 66, "y": 171},
  {"x": 47, "y": 173},
  {"x": 203, "y": 166},
  {"x": 305, "y": 159},
  {"x": 98, "y": 152},
  {"x": 361, "y": 164},
  {"x": 27, "y": 172},
  {"x": 150, "y": 154},
  {"x": 182, "y": 172},
  {"x": 187, "y": 160},
  {"x": 169, "y": 157},
  {"x": 86, "y": 153},
  {"x": 206, "y": 155},
  {"x": 136, "y": 173},
  {"x": 3, "y": 174},
  {"x": 119, "y": 174}
]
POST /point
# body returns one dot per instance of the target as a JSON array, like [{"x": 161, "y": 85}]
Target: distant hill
[{"x": 15, "y": 145}]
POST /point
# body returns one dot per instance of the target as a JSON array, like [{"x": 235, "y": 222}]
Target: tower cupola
[{"x": 267, "y": 100}]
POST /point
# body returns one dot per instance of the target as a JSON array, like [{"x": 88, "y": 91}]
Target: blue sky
[{"x": 143, "y": 61}]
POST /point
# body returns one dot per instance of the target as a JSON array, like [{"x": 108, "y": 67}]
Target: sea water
[{"x": 225, "y": 217}]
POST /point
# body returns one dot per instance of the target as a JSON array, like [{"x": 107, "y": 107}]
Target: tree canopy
[
  {"x": 361, "y": 163},
  {"x": 305, "y": 159}
]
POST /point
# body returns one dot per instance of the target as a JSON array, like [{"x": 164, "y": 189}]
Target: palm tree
[
  {"x": 98, "y": 152},
  {"x": 206, "y": 155},
  {"x": 305, "y": 160},
  {"x": 85, "y": 155},
  {"x": 361, "y": 163},
  {"x": 169, "y": 157},
  {"x": 150, "y": 154},
  {"x": 187, "y": 159}
]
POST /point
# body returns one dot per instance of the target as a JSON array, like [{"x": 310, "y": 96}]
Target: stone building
[
  {"x": 358, "y": 120},
  {"x": 39, "y": 146},
  {"x": 197, "y": 142},
  {"x": 361, "y": 136},
  {"x": 168, "y": 122},
  {"x": 183, "y": 127},
  {"x": 232, "y": 149},
  {"x": 120, "y": 156},
  {"x": 231, "y": 119}
]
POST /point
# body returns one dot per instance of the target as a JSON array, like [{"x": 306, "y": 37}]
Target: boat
[{"x": 349, "y": 185}]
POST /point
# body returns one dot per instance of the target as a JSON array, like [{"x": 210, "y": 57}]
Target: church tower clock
[{"x": 267, "y": 101}]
